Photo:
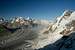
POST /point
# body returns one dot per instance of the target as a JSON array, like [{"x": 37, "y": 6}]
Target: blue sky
[{"x": 39, "y": 9}]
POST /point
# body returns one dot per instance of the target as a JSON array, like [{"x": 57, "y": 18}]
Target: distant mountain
[{"x": 29, "y": 34}]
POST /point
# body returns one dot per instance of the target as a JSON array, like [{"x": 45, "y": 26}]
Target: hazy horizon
[{"x": 39, "y": 9}]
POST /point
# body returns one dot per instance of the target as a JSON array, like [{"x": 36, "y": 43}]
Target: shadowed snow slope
[
  {"x": 65, "y": 25},
  {"x": 41, "y": 33}
]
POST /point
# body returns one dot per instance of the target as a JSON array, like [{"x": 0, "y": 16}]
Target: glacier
[{"x": 35, "y": 34}]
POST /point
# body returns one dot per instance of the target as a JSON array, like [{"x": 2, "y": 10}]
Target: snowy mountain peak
[
  {"x": 20, "y": 19},
  {"x": 64, "y": 26},
  {"x": 43, "y": 33}
]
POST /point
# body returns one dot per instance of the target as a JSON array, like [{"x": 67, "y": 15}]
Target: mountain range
[{"x": 30, "y": 34}]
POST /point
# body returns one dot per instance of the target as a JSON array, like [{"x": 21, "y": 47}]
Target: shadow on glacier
[{"x": 65, "y": 43}]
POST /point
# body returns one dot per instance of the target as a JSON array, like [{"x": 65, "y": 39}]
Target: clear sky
[{"x": 39, "y": 9}]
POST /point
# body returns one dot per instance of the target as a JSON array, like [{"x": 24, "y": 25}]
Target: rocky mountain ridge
[{"x": 28, "y": 34}]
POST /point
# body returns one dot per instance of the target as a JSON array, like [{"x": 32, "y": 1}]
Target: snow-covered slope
[
  {"x": 57, "y": 30},
  {"x": 40, "y": 35}
]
